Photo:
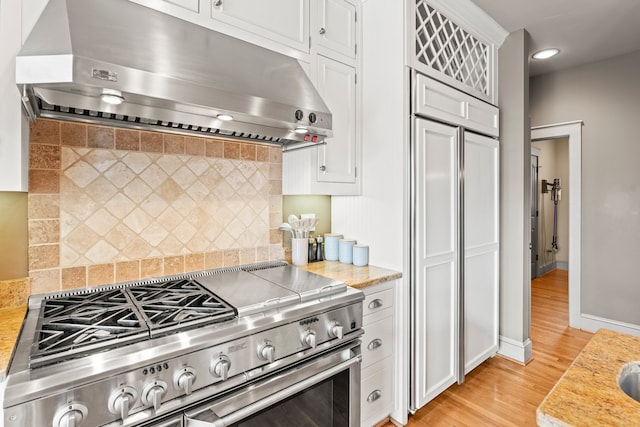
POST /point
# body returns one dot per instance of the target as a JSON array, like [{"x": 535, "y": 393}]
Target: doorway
[
  {"x": 549, "y": 205},
  {"x": 572, "y": 131},
  {"x": 535, "y": 245}
]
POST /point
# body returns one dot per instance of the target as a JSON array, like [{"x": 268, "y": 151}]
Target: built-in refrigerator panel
[
  {"x": 454, "y": 248},
  {"x": 481, "y": 245},
  {"x": 435, "y": 255}
]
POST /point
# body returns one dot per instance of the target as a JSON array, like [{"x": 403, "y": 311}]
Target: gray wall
[
  {"x": 515, "y": 222},
  {"x": 606, "y": 96}
]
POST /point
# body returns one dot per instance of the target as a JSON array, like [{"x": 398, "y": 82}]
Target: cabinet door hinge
[
  {"x": 355, "y": 78},
  {"x": 355, "y": 171},
  {"x": 355, "y": 17},
  {"x": 355, "y": 48}
]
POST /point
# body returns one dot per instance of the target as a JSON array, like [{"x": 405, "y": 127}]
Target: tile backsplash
[{"x": 109, "y": 205}]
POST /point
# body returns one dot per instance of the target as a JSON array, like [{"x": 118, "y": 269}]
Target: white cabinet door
[
  {"x": 481, "y": 225},
  {"x": 436, "y": 259},
  {"x": 283, "y": 21},
  {"x": 189, "y": 10},
  {"x": 435, "y": 99},
  {"x": 192, "y": 5},
  {"x": 337, "y": 86},
  {"x": 334, "y": 26}
]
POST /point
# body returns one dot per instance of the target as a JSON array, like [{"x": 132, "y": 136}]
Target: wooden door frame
[{"x": 572, "y": 131}]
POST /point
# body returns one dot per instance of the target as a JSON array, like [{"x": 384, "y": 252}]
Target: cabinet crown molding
[{"x": 468, "y": 15}]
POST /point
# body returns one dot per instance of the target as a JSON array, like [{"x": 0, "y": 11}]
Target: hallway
[{"x": 504, "y": 393}]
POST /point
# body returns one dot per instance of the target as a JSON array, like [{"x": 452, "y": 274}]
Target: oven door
[{"x": 323, "y": 392}]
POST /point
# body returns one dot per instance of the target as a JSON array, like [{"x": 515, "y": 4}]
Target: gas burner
[
  {"x": 179, "y": 304},
  {"x": 79, "y": 324}
]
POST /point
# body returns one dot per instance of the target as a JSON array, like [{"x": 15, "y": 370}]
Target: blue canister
[
  {"x": 331, "y": 246},
  {"x": 360, "y": 255},
  {"x": 345, "y": 250}
]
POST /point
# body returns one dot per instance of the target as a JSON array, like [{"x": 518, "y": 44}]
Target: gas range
[{"x": 133, "y": 353}]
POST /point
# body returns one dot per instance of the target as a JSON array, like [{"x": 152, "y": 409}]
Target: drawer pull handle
[
  {"x": 375, "y": 344},
  {"x": 374, "y": 395},
  {"x": 376, "y": 303}
]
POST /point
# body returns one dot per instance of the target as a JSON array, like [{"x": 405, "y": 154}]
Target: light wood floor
[{"x": 501, "y": 392}]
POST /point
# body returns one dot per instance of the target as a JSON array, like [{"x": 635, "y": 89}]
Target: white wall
[
  {"x": 605, "y": 96},
  {"x": 377, "y": 216}
]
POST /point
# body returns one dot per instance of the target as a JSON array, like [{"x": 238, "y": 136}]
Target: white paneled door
[
  {"x": 481, "y": 208},
  {"x": 454, "y": 291},
  {"x": 436, "y": 259}
]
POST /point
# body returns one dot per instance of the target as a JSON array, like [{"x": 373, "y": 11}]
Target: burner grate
[
  {"x": 179, "y": 304},
  {"x": 74, "y": 325}
]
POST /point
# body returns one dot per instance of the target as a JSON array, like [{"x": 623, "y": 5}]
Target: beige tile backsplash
[{"x": 110, "y": 204}]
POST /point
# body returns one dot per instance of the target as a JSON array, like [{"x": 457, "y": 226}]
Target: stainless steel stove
[{"x": 188, "y": 350}]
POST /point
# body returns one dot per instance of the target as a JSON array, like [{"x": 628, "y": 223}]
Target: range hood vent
[{"x": 162, "y": 73}]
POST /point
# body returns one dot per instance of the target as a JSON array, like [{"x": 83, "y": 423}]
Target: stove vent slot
[{"x": 108, "y": 119}]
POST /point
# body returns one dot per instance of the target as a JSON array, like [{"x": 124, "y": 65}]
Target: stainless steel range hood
[{"x": 170, "y": 75}]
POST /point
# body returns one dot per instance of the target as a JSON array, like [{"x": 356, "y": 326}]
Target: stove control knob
[
  {"x": 335, "y": 330},
  {"x": 184, "y": 379},
  {"x": 267, "y": 351},
  {"x": 309, "y": 338},
  {"x": 152, "y": 394},
  {"x": 121, "y": 400},
  {"x": 220, "y": 367},
  {"x": 71, "y": 415}
]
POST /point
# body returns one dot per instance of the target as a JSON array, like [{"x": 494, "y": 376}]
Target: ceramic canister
[
  {"x": 360, "y": 255},
  {"x": 300, "y": 251},
  {"x": 345, "y": 250},
  {"x": 331, "y": 246}
]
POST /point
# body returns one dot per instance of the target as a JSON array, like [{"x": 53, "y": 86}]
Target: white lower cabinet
[{"x": 376, "y": 386}]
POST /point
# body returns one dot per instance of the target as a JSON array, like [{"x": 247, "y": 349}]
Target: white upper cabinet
[
  {"x": 447, "y": 45},
  {"x": 191, "y": 5},
  {"x": 278, "y": 25},
  {"x": 337, "y": 86},
  {"x": 334, "y": 27},
  {"x": 434, "y": 99},
  {"x": 334, "y": 63},
  {"x": 283, "y": 21}
]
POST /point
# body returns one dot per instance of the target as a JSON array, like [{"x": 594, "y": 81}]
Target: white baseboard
[
  {"x": 519, "y": 351},
  {"x": 592, "y": 323}
]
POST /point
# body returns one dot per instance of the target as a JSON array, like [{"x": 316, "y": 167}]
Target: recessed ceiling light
[
  {"x": 546, "y": 53},
  {"x": 225, "y": 117},
  {"x": 112, "y": 96}
]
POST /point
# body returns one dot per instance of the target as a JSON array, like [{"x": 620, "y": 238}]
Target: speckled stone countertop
[
  {"x": 588, "y": 393},
  {"x": 10, "y": 323},
  {"x": 356, "y": 277}
]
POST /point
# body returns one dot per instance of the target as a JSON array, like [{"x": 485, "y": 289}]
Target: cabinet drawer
[
  {"x": 376, "y": 302},
  {"x": 434, "y": 99},
  {"x": 376, "y": 391},
  {"x": 377, "y": 341}
]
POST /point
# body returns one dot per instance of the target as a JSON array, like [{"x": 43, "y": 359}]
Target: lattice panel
[{"x": 445, "y": 47}]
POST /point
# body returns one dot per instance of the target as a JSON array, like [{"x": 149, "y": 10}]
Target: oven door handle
[{"x": 276, "y": 397}]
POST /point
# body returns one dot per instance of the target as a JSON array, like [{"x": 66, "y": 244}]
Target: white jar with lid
[
  {"x": 360, "y": 255},
  {"x": 331, "y": 246},
  {"x": 345, "y": 250}
]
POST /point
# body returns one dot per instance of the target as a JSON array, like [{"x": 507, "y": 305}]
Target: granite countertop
[
  {"x": 10, "y": 323},
  {"x": 588, "y": 393},
  {"x": 356, "y": 277}
]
